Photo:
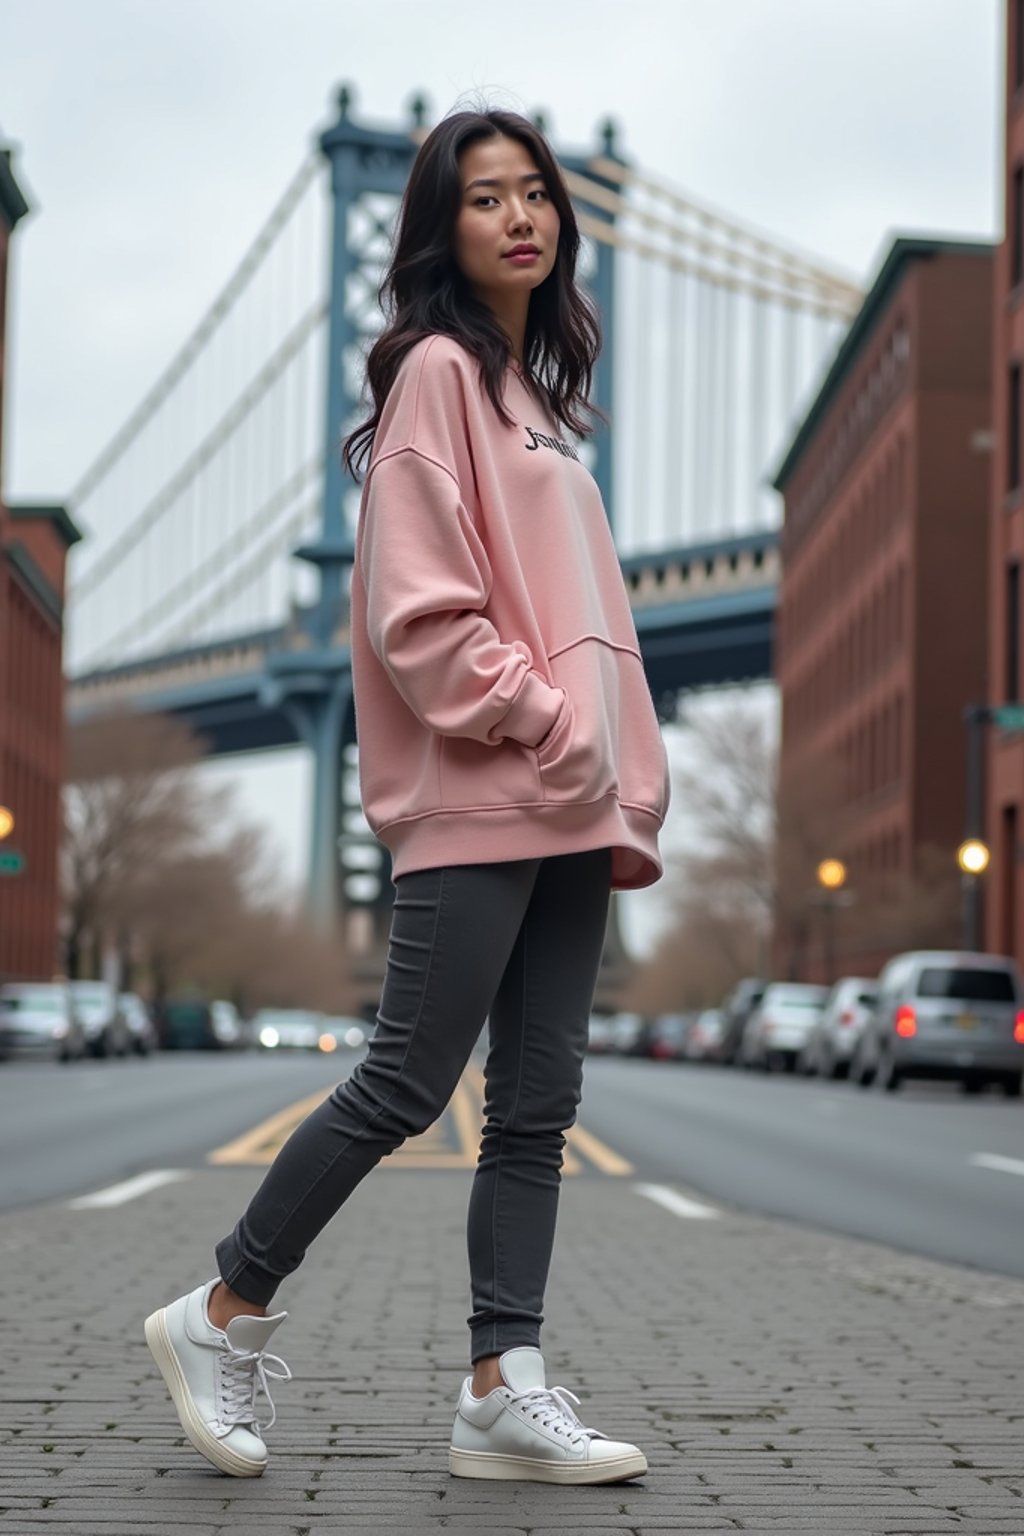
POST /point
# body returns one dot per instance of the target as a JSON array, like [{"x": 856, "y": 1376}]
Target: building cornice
[
  {"x": 31, "y": 577},
  {"x": 903, "y": 251},
  {"x": 63, "y": 526},
  {"x": 12, "y": 199}
]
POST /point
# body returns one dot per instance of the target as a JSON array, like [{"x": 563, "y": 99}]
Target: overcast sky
[{"x": 153, "y": 136}]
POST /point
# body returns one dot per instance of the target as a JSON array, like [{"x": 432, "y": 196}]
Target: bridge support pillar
[
  {"x": 319, "y": 705},
  {"x": 327, "y": 728}
]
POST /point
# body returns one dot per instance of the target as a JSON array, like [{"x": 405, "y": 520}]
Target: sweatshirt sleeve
[{"x": 427, "y": 578}]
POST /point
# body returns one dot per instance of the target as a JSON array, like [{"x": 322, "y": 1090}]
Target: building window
[
  {"x": 1018, "y": 45},
  {"x": 1013, "y": 433},
  {"x": 1013, "y": 632},
  {"x": 1016, "y": 229}
]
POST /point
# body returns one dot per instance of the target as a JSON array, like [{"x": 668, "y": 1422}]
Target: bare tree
[
  {"x": 156, "y": 862},
  {"x": 722, "y": 887},
  {"x": 746, "y": 883},
  {"x": 131, "y": 799}
]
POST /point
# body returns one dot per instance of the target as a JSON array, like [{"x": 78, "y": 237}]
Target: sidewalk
[{"x": 778, "y": 1379}]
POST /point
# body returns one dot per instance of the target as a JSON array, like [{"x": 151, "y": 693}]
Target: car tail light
[
  {"x": 1018, "y": 1029},
  {"x": 906, "y": 1021},
  {"x": 847, "y": 1016}
]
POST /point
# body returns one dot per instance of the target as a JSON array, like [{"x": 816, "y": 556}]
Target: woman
[{"x": 510, "y": 759}]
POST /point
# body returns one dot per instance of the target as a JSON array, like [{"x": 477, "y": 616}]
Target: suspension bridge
[{"x": 213, "y": 583}]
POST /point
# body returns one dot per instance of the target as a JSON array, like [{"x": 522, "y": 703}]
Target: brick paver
[{"x": 779, "y": 1379}]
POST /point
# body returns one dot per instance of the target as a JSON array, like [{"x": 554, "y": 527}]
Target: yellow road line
[
  {"x": 579, "y": 1141},
  {"x": 467, "y": 1112},
  {"x": 261, "y": 1144},
  {"x": 600, "y": 1155}
]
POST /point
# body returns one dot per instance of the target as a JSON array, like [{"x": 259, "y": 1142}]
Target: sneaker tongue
[
  {"x": 247, "y": 1332},
  {"x": 523, "y": 1368}
]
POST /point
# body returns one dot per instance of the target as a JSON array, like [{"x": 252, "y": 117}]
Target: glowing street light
[
  {"x": 973, "y": 856},
  {"x": 832, "y": 874},
  {"x": 6, "y": 822}
]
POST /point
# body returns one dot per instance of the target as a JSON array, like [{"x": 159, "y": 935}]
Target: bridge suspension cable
[
  {"x": 225, "y": 445},
  {"x": 720, "y": 332},
  {"x": 213, "y": 318},
  {"x": 772, "y": 253}
]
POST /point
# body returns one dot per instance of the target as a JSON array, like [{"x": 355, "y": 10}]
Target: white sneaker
[
  {"x": 528, "y": 1430},
  {"x": 213, "y": 1375}
]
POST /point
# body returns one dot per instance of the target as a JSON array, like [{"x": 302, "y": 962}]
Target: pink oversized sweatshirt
[{"x": 502, "y": 708}]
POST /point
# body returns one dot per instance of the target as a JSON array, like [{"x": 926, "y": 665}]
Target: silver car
[
  {"x": 943, "y": 1013},
  {"x": 833, "y": 1040},
  {"x": 37, "y": 1019},
  {"x": 705, "y": 1035},
  {"x": 282, "y": 1029},
  {"x": 105, "y": 1026},
  {"x": 140, "y": 1025},
  {"x": 777, "y": 1030}
]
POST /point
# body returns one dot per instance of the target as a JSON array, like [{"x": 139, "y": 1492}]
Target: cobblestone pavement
[{"x": 778, "y": 1379}]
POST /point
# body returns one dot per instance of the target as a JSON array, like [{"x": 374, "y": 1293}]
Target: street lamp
[
  {"x": 972, "y": 857},
  {"x": 832, "y": 874},
  {"x": 831, "y": 877},
  {"x": 6, "y": 822}
]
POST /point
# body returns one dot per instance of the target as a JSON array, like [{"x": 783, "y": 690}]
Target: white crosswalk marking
[
  {"x": 1000, "y": 1164},
  {"x": 672, "y": 1200},
  {"x": 129, "y": 1189}
]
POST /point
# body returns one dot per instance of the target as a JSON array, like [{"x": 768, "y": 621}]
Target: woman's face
[{"x": 505, "y": 204}]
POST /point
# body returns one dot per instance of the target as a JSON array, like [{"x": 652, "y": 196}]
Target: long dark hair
[{"x": 424, "y": 292}]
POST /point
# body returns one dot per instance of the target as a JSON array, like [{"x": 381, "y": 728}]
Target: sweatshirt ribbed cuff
[{"x": 533, "y": 712}]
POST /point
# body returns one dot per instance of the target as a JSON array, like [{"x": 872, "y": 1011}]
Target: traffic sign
[
  {"x": 1009, "y": 717},
  {"x": 11, "y": 861}
]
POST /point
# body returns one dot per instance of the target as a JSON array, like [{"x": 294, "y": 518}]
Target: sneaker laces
[
  {"x": 550, "y": 1407},
  {"x": 243, "y": 1373}
]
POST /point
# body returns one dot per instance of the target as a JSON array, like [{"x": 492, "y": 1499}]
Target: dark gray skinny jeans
[{"x": 518, "y": 941}]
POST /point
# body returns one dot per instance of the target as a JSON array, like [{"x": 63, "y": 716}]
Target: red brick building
[
  {"x": 1004, "y": 883},
  {"x": 881, "y": 635},
  {"x": 33, "y": 545}
]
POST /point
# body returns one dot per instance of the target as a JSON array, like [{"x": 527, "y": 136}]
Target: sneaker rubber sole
[
  {"x": 490, "y": 1464},
  {"x": 206, "y": 1443}
]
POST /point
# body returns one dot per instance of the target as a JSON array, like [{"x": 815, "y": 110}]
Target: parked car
[
  {"x": 185, "y": 1023},
  {"x": 106, "y": 1030},
  {"x": 833, "y": 1038},
  {"x": 778, "y": 1028},
  {"x": 347, "y": 1033},
  {"x": 297, "y": 1029},
  {"x": 705, "y": 1036},
  {"x": 141, "y": 1026},
  {"x": 629, "y": 1034},
  {"x": 736, "y": 1010},
  {"x": 944, "y": 1013},
  {"x": 226, "y": 1024},
  {"x": 38, "y": 1019},
  {"x": 599, "y": 1037},
  {"x": 668, "y": 1036}
]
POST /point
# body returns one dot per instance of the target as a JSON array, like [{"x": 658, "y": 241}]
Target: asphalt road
[
  {"x": 67, "y": 1130},
  {"x": 898, "y": 1170}
]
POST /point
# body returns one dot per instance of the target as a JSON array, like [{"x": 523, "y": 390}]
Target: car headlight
[
  {"x": 269, "y": 1036},
  {"x": 354, "y": 1036}
]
